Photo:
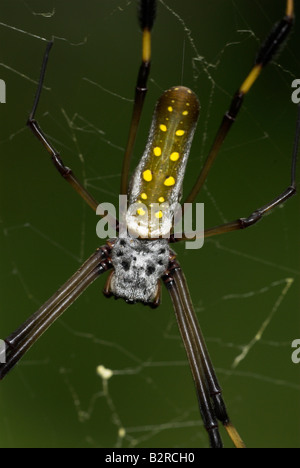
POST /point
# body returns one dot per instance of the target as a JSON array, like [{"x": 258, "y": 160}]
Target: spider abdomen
[
  {"x": 138, "y": 266},
  {"x": 156, "y": 185}
]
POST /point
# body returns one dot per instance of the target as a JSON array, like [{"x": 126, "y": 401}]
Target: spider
[{"x": 109, "y": 256}]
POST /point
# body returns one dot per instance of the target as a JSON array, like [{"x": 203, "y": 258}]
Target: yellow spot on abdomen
[
  {"x": 170, "y": 109},
  {"x": 169, "y": 181},
  {"x": 144, "y": 196},
  {"x": 140, "y": 212},
  {"x": 157, "y": 151},
  {"x": 159, "y": 214},
  {"x": 161, "y": 199},
  {"x": 163, "y": 128},
  {"x": 174, "y": 156},
  {"x": 179, "y": 132},
  {"x": 185, "y": 112},
  {"x": 147, "y": 175}
]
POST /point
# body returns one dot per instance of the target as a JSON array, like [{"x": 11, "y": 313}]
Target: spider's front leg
[
  {"x": 268, "y": 50},
  {"x": 64, "y": 171},
  {"x": 147, "y": 12}
]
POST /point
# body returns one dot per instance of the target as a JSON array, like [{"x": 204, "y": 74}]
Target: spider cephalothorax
[{"x": 138, "y": 266}]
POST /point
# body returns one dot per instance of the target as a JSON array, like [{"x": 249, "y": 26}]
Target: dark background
[{"x": 238, "y": 281}]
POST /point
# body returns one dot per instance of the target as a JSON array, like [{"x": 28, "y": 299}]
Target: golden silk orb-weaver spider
[{"x": 109, "y": 257}]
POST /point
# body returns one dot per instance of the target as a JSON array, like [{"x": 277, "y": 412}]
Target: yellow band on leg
[
  {"x": 251, "y": 78},
  {"x": 146, "y": 53},
  {"x": 290, "y": 8},
  {"x": 234, "y": 436}
]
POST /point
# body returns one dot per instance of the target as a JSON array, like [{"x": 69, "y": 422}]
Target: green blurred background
[{"x": 54, "y": 398}]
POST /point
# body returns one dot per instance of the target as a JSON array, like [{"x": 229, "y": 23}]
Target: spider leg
[
  {"x": 267, "y": 51},
  {"x": 65, "y": 171},
  {"x": 21, "y": 340},
  {"x": 146, "y": 20},
  {"x": 242, "y": 223},
  {"x": 212, "y": 406},
  {"x": 206, "y": 410},
  {"x": 214, "y": 388}
]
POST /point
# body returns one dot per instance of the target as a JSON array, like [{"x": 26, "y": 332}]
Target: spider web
[{"x": 110, "y": 375}]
